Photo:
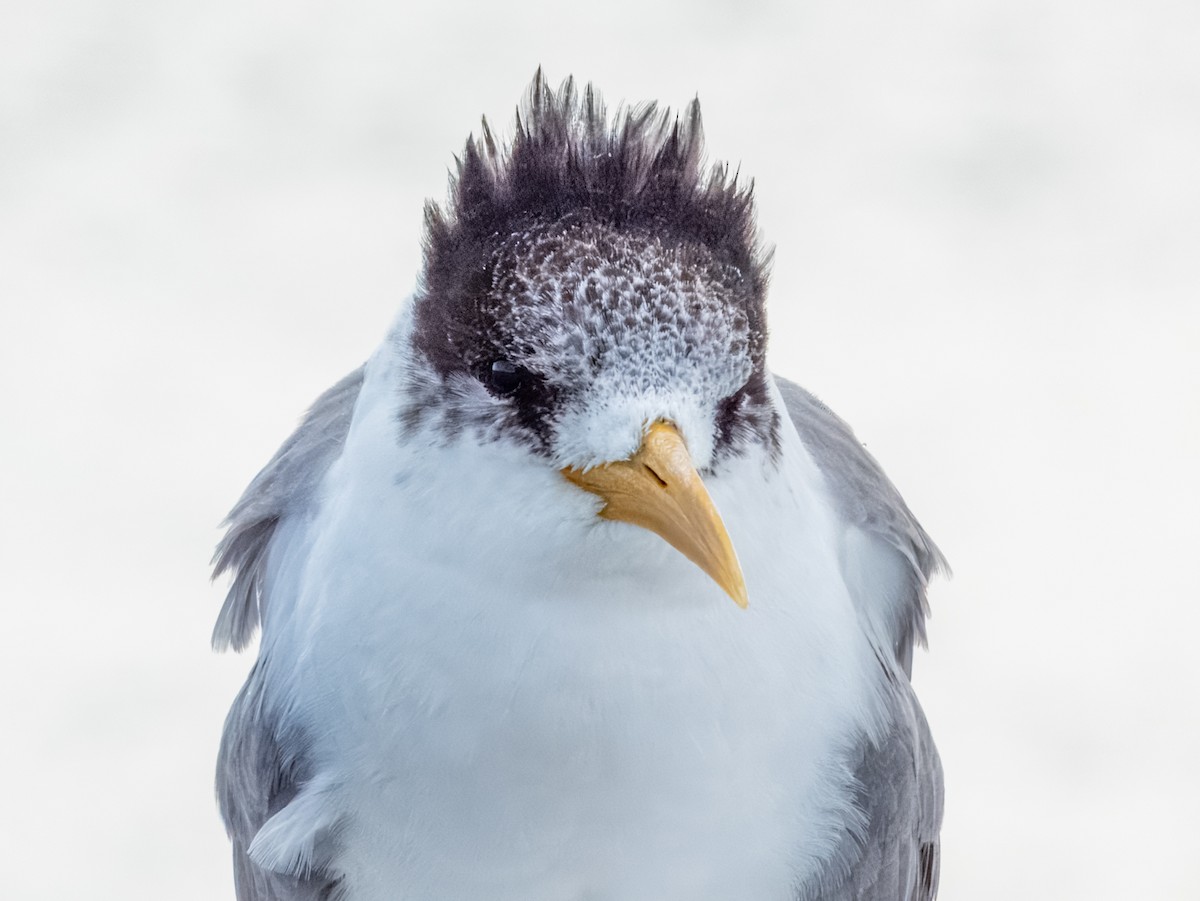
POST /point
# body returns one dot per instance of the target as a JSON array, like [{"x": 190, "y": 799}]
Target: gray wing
[
  {"x": 260, "y": 770},
  {"x": 285, "y": 485},
  {"x": 261, "y": 767},
  {"x": 898, "y": 787},
  {"x": 897, "y": 776},
  {"x": 870, "y": 503}
]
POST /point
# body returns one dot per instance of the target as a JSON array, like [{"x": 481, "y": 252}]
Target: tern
[{"x": 564, "y": 595}]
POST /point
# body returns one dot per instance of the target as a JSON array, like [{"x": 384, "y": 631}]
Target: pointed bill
[{"x": 659, "y": 489}]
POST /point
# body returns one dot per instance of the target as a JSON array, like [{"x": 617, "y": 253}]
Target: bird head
[{"x": 594, "y": 294}]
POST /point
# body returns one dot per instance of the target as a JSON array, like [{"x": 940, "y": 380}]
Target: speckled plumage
[
  {"x": 468, "y": 685},
  {"x": 602, "y": 257},
  {"x": 603, "y": 316}
]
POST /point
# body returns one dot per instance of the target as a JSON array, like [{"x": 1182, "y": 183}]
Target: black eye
[{"x": 503, "y": 378}]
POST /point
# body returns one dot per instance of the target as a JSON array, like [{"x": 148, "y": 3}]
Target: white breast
[{"x": 512, "y": 699}]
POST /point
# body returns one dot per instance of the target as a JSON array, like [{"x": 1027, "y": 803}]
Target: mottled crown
[
  {"x": 605, "y": 266},
  {"x": 644, "y": 170}
]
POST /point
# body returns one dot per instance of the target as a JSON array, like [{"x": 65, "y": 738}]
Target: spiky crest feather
[{"x": 644, "y": 169}]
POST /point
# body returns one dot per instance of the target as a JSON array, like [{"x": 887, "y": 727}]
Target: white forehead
[
  {"x": 637, "y": 329},
  {"x": 627, "y": 309}
]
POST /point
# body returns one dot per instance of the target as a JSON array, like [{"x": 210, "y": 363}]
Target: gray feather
[
  {"x": 868, "y": 500},
  {"x": 898, "y": 788},
  {"x": 897, "y": 775},
  {"x": 261, "y": 768},
  {"x": 285, "y": 485}
]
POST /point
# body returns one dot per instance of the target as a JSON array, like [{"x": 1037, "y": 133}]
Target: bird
[{"x": 564, "y": 595}]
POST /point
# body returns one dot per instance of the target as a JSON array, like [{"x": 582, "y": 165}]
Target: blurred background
[{"x": 987, "y": 222}]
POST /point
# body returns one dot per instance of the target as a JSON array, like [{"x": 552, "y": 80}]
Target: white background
[{"x": 987, "y": 220}]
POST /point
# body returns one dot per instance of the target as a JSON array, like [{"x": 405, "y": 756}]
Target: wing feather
[
  {"x": 898, "y": 788},
  {"x": 263, "y": 776},
  {"x": 285, "y": 485},
  {"x": 261, "y": 773},
  {"x": 879, "y": 521},
  {"x": 887, "y": 559}
]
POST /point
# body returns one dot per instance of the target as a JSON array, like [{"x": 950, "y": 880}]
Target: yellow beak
[{"x": 659, "y": 489}]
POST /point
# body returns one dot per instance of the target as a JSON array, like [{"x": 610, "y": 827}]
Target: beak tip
[
  {"x": 733, "y": 583},
  {"x": 738, "y": 593}
]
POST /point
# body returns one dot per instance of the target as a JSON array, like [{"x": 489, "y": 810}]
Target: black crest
[{"x": 644, "y": 170}]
